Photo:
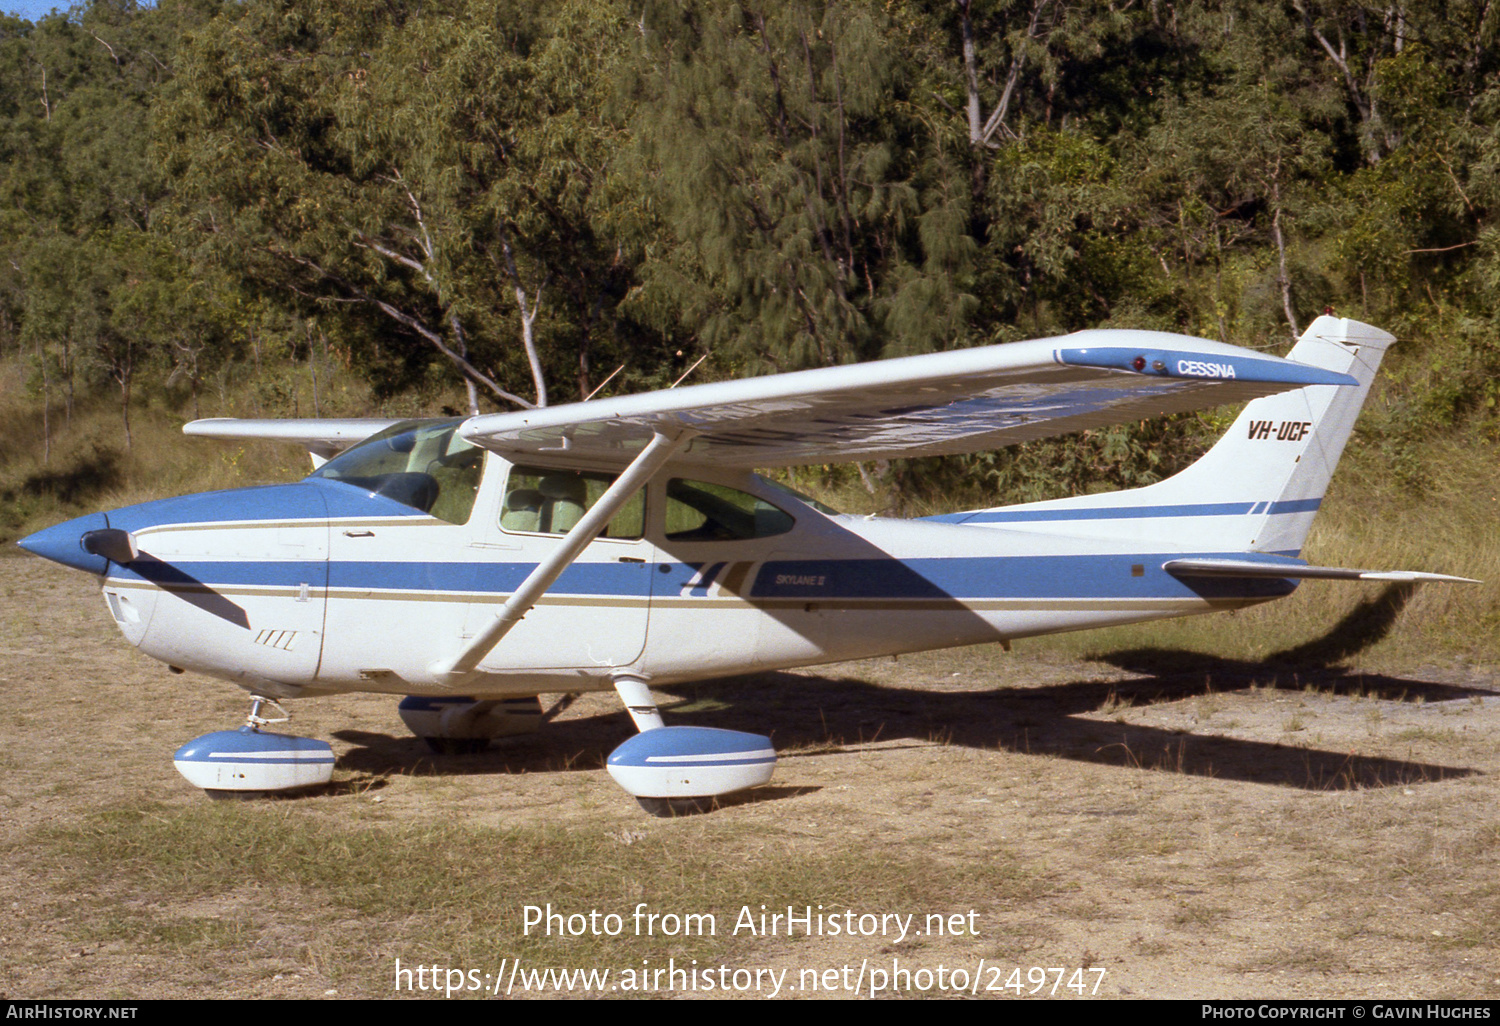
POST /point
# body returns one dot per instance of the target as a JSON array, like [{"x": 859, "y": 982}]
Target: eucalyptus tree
[
  {"x": 78, "y": 192},
  {"x": 429, "y": 167},
  {"x": 808, "y": 216},
  {"x": 1354, "y": 39}
]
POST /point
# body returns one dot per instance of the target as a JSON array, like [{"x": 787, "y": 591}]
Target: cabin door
[{"x": 594, "y": 616}]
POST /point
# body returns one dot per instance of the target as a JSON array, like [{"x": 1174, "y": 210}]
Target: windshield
[{"x": 422, "y": 464}]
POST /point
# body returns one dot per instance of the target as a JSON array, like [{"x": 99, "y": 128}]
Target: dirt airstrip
[{"x": 1191, "y": 826}]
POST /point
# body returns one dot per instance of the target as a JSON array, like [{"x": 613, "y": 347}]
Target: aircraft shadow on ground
[{"x": 815, "y": 715}]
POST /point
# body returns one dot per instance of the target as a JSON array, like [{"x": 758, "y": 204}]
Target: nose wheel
[{"x": 249, "y": 762}]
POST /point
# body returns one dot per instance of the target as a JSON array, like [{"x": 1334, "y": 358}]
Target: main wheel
[
  {"x": 220, "y": 794},
  {"x": 666, "y": 808}
]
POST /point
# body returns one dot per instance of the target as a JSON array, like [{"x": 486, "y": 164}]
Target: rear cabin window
[
  {"x": 426, "y": 466},
  {"x": 699, "y": 511},
  {"x": 539, "y": 501}
]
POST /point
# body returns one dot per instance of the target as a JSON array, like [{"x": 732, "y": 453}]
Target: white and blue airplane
[{"x": 471, "y": 565}]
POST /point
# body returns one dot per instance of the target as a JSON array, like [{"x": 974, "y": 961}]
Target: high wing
[
  {"x": 323, "y": 438},
  {"x": 966, "y": 400}
]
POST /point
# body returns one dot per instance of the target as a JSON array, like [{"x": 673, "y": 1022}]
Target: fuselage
[{"x": 367, "y": 583}]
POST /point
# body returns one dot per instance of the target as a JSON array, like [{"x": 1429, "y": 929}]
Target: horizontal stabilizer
[{"x": 1248, "y": 568}]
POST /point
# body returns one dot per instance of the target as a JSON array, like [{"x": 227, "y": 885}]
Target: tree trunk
[
  {"x": 125, "y": 405},
  {"x": 1284, "y": 279}
]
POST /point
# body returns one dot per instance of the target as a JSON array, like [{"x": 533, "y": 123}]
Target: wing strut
[{"x": 660, "y": 449}]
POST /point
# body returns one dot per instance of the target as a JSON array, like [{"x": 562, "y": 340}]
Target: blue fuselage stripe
[
  {"x": 1122, "y": 576},
  {"x": 1007, "y": 577}
]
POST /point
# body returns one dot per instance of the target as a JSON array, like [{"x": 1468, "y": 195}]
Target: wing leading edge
[{"x": 966, "y": 400}]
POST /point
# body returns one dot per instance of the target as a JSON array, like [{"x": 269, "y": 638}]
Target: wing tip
[{"x": 1188, "y": 365}]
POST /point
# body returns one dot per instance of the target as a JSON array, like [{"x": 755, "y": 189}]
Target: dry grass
[
  {"x": 1186, "y": 860},
  {"x": 90, "y": 467}
]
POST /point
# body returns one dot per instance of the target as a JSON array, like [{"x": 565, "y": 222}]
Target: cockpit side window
[
  {"x": 821, "y": 507},
  {"x": 423, "y": 465},
  {"x": 699, "y": 511},
  {"x": 540, "y": 501}
]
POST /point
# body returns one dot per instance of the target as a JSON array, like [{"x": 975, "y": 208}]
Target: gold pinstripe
[{"x": 662, "y": 602}]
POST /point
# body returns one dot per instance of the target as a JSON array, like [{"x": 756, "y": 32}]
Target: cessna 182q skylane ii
[{"x": 473, "y": 564}]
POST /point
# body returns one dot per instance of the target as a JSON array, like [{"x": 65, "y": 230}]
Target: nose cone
[{"x": 64, "y": 543}]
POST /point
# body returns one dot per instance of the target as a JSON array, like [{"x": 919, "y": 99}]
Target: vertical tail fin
[
  {"x": 1283, "y": 449},
  {"x": 1259, "y": 487}
]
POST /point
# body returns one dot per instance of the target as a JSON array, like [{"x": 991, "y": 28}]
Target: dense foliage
[{"x": 523, "y": 199}]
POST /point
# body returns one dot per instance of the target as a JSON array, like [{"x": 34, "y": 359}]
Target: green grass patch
[
  {"x": 1197, "y": 914},
  {"x": 1297, "y": 958},
  {"x": 1433, "y": 735},
  {"x": 456, "y": 893}
]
